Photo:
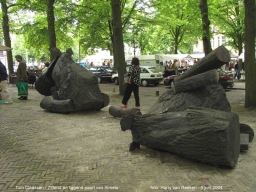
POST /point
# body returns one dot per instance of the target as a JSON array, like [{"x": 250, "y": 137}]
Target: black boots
[{"x": 23, "y": 98}]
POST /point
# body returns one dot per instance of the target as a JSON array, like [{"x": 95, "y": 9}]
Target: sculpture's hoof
[
  {"x": 244, "y": 128},
  {"x": 134, "y": 145}
]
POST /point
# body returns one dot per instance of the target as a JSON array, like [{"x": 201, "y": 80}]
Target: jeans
[
  {"x": 237, "y": 74},
  {"x": 127, "y": 94}
]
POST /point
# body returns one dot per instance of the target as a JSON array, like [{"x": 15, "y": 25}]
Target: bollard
[
  {"x": 157, "y": 93},
  {"x": 114, "y": 90}
]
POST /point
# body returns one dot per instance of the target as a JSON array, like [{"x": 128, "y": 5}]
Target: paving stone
[{"x": 83, "y": 149}]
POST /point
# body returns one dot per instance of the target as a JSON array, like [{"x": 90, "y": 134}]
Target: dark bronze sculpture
[
  {"x": 73, "y": 87},
  {"x": 193, "y": 119}
]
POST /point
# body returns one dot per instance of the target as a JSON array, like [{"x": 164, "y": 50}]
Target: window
[
  {"x": 196, "y": 45},
  {"x": 223, "y": 39},
  {"x": 218, "y": 40},
  {"x": 212, "y": 42},
  {"x": 143, "y": 70}
]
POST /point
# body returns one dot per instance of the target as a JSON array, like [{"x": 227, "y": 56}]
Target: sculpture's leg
[
  {"x": 244, "y": 128},
  {"x": 134, "y": 145},
  {"x": 116, "y": 111},
  {"x": 55, "y": 93},
  {"x": 58, "y": 106}
]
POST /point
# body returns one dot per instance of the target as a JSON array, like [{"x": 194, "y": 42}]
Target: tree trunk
[
  {"x": 110, "y": 45},
  {"x": 250, "y": 66},
  {"x": 206, "y": 26},
  {"x": 6, "y": 32},
  {"x": 238, "y": 21},
  {"x": 51, "y": 27},
  {"x": 119, "y": 56},
  {"x": 214, "y": 60},
  {"x": 207, "y": 135},
  {"x": 240, "y": 38},
  {"x": 176, "y": 42}
]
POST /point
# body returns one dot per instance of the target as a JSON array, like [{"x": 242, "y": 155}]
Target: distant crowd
[{"x": 104, "y": 63}]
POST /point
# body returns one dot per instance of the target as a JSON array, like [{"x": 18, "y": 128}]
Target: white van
[{"x": 145, "y": 60}]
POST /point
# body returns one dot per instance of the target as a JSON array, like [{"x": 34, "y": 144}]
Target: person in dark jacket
[
  {"x": 134, "y": 72},
  {"x": 3, "y": 83},
  {"x": 21, "y": 72},
  {"x": 237, "y": 72}
]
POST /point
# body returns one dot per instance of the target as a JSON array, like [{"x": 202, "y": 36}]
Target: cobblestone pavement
[{"x": 86, "y": 151}]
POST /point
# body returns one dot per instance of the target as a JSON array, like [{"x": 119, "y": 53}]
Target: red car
[{"x": 169, "y": 81}]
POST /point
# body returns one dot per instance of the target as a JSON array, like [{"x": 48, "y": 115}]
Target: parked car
[
  {"x": 83, "y": 64},
  {"x": 115, "y": 77},
  {"x": 225, "y": 79},
  {"x": 148, "y": 75},
  {"x": 102, "y": 73}
]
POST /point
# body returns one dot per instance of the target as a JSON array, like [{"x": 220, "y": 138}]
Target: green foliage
[
  {"x": 176, "y": 26},
  {"x": 157, "y": 26},
  {"x": 30, "y": 21},
  {"x": 228, "y": 16}
]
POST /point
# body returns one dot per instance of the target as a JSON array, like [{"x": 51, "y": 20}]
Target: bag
[
  {"x": 22, "y": 89},
  {"x": 127, "y": 79}
]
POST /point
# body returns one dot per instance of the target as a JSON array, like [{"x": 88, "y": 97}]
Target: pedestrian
[
  {"x": 134, "y": 73},
  {"x": 237, "y": 74},
  {"x": 46, "y": 64},
  {"x": 21, "y": 73},
  {"x": 3, "y": 83},
  {"x": 176, "y": 66},
  {"x": 227, "y": 66}
]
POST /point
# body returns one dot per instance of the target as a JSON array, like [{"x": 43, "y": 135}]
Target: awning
[
  {"x": 4, "y": 48},
  {"x": 241, "y": 56},
  {"x": 189, "y": 56}
]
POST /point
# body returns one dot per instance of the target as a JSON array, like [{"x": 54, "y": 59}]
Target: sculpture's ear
[
  {"x": 56, "y": 51},
  {"x": 137, "y": 113},
  {"x": 70, "y": 52}
]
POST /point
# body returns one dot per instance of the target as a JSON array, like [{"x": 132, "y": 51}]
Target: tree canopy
[{"x": 155, "y": 26}]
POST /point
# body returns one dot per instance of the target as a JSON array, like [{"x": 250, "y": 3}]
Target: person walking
[
  {"x": 21, "y": 73},
  {"x": 46, "y": 64},
  {"x": 134, "y": 73},
  {"x": 3, "y": 83},
  {"x": 237, "y": 72}
]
